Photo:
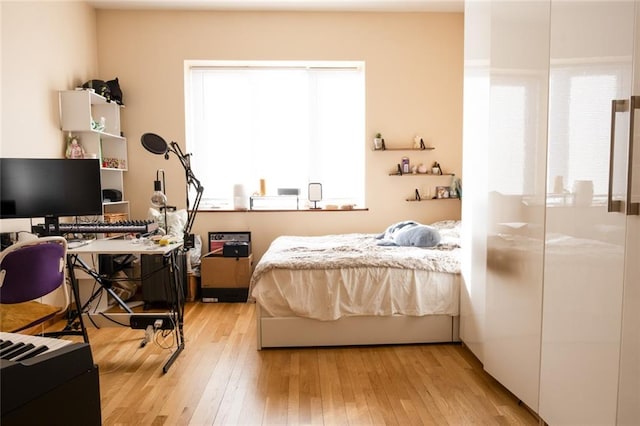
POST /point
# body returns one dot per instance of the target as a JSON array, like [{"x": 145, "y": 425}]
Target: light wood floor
[{"x": 221, "y": 378}]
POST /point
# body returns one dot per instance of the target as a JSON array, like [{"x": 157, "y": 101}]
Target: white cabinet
[
  {"x": 556, "y": 318},
  {"x": 96, "y": 122}
]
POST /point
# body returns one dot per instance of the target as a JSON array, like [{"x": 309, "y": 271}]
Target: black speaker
[
  {"x": 157, "y": 286},
  {"x": 235, "y": 249},
  {"x": 111, "y": 195}
]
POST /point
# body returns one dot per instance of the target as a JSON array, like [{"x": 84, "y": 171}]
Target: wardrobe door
[
  {"x": 516, "y": 194},
  {"x": 629, "y": 388},
  {"x": 591, "y": 67},
  {"x": 477, "y": 50}
]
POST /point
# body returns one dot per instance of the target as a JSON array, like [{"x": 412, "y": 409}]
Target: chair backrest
[{"x": 32, "y": 269}]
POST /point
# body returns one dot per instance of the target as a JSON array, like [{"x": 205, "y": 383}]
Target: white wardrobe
[{"x": 551, "y": 156}]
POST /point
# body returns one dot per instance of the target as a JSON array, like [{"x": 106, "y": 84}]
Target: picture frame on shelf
[
  {"x": 443, "y": 192},
  {"x": 74, "y": 150}
]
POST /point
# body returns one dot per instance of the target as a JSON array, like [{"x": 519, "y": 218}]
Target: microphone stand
[{"x": 191, "y": 181}]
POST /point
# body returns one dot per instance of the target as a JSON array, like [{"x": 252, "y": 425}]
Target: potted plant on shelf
[
  {"x": 378, "y": 142},
  {"x": 435, "y": 168}
]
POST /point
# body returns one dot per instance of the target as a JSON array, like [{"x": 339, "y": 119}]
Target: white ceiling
[{"x": 291, "y": 5}]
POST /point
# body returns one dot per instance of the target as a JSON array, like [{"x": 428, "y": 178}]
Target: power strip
[{"x": 142, "y": 321}]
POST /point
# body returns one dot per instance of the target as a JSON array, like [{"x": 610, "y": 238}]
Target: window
[{"x": 287, "y": 123}]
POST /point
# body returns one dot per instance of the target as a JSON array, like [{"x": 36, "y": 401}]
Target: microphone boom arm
[{"x": 191, "y": 181}]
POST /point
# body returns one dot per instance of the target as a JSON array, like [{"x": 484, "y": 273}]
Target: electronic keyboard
[
  {"x": 124, "y": 226},
  {"x": 20, "y": 347},
  {"x": 53, "y": 381}
]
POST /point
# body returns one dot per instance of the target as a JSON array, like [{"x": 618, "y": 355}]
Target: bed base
[{"x": 276, "y": 332}]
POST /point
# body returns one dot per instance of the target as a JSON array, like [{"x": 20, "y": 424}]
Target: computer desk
[{"x": 173, "y": 319}]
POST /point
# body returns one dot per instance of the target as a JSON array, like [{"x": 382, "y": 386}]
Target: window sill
[{"x": 281, "y": 210}]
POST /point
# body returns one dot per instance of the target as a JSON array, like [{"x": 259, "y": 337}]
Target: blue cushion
[{"x": 409, "y": 233}]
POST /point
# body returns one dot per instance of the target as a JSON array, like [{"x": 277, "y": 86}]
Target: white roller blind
[{"x": 287, "y": 125}]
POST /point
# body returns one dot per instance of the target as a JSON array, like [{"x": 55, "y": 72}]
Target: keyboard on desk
[{"x": 124, "y": 226}]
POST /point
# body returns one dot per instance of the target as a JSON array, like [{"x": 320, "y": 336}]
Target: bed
[{"x": 341, "y": 290}]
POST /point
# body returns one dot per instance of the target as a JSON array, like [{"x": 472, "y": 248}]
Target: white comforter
[{"x": 327, "y": 277}]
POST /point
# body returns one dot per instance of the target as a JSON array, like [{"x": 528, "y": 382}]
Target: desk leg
[
  {"x": 178, "y": 310},
  {"x": 173, "y": 357},
  {"x": 76, "y": 296}
]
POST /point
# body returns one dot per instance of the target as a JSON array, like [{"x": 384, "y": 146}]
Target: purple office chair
[{"x": 30, "y": 270}]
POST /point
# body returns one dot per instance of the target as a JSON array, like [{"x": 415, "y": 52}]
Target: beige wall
[
  {"x": 414, "y": 86},
  {"x": 46, "y": 47},
  {"x": 413, "y": 80}
]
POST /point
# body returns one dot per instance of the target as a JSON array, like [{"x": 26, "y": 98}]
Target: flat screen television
[{"x": 50, "y": 188}]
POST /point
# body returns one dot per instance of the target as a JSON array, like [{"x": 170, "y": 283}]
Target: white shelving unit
[{"x": 79, "y": 111}]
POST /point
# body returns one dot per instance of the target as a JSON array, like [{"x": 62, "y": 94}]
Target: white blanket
[
  {"x": 360, "y": 250},
  {"x": 327, "y": 277}
]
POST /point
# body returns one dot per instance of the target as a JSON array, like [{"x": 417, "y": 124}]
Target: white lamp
[{"x": 158, "y": 198}]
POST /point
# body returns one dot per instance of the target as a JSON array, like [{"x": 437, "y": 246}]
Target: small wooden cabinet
[{"x": 225, "y": 279}]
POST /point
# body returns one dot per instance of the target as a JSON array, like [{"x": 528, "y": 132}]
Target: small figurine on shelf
[
  {"x": 98, "y": 125},
  {"x": 418, "y": 143},
  {"x": 74, "y": 149},
  {"x": 378, "y": 142}
]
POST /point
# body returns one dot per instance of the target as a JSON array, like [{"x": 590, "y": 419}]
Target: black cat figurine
[{"x": 116, "y": 92}]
